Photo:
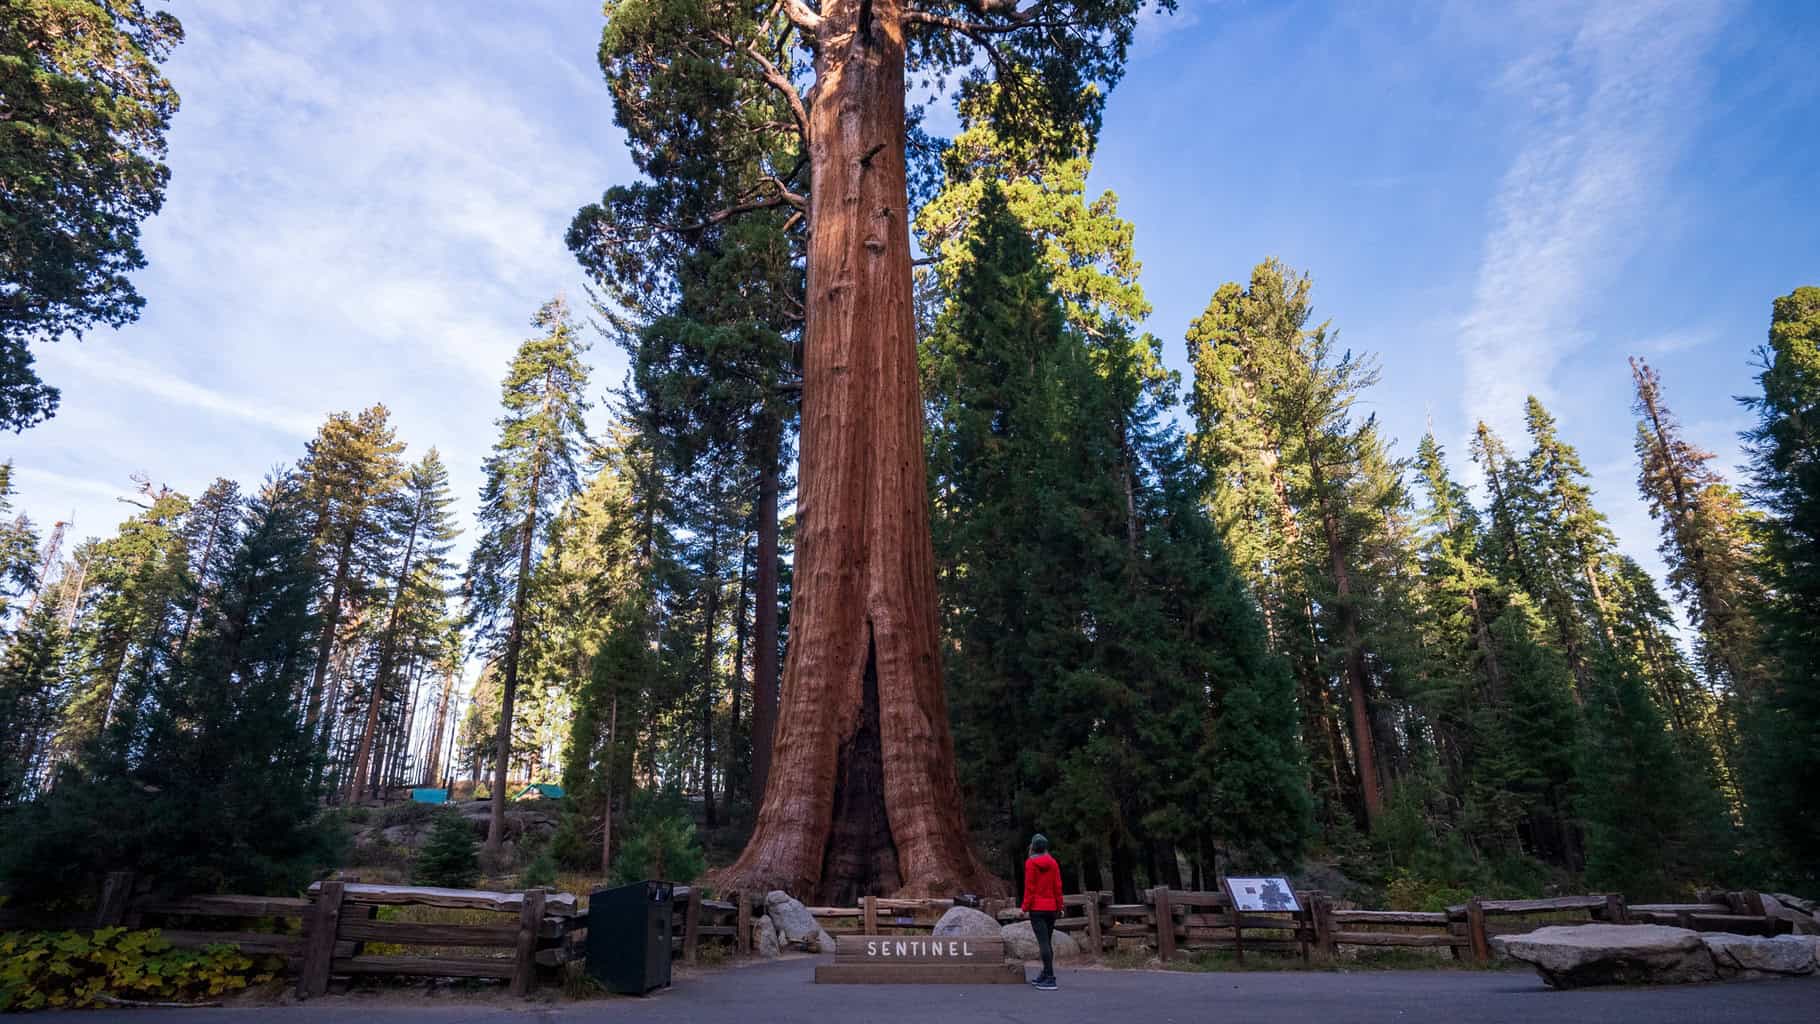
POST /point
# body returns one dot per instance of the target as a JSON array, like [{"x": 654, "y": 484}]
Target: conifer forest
[{"x": 906, "y": 531}]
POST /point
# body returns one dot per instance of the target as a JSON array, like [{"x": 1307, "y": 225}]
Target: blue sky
[{"x": 367, "y": 204}]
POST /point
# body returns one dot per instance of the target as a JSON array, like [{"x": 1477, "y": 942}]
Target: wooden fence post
[
  {"x": 742, "y": 923},
  {"x": 115, "y": 891},
  {"x": 1475, "y": 931},
  {"x": 1165, "y": 923},
  {"x": 1093, "y": 924},
  {"x": 1615, "y": 910},
  {"x": 524, "y": 963},
  {"x": 1323, "y": 925},
  {"x": 869, "y": 914},
  {"x": 319, "y": 941},
  {"x": 691, "y": 924}
]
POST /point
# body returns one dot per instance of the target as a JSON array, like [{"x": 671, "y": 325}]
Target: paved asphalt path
[{"x": 784, "y": 991}]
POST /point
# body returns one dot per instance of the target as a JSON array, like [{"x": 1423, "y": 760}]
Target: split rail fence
[
  {"x": 523, "y": 935},
  {"x": 1205, "y": 921}
]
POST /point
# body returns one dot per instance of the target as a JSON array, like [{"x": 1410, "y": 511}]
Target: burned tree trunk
[{"x": 864, "y": 617}]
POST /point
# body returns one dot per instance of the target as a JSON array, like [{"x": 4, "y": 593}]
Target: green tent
[{"x": 540, "y": 791}]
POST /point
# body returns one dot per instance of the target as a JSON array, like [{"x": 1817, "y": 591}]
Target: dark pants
[{"x": 1042, "y": 922}]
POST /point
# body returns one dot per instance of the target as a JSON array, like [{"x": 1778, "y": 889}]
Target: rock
[
  {"x": 764, "y": 938},
  {"x": 1784, "y": 954},
  {"x": 1806, "y": 906},
  {"x": 1020, "y": 943},
  {"x": 1797, "y": 911},
  {"x": 1572, "y": 956},
  {"x": 404, "y": 835},
  {"x": 823, "y": 943},
  {"x": 966, "y": 922},
  {"x": 795, "y": 925}
]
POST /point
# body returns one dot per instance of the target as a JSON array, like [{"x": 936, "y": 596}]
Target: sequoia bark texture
[{"x": 862, "y": 796}]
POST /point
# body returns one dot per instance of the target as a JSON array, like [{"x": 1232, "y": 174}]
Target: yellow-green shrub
[{"x": 74, "y": 969}]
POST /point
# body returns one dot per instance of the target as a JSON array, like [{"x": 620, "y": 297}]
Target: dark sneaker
[{"x": 1046, "y": 984}]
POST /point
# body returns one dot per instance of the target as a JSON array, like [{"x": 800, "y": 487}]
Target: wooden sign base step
[
  {"x": 919, "y": 974},
  {"x": 919, "y": 960}
]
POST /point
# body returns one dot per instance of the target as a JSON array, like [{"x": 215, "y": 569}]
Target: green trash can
[{"x": 629, "y": 936}]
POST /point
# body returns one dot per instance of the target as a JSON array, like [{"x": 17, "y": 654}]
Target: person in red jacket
[{"x": 1043, "y": 902}]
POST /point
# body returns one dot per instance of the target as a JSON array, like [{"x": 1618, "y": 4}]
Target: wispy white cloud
[
  {"x": 1609, "y": 105},
  {"x": 40, "y": 482},
  {"x": 365, "y": 206},
  {"x": 1672, "y": 342},
  {"x": 187, "y": 396},
  {"x": 1155, "y": 24}
]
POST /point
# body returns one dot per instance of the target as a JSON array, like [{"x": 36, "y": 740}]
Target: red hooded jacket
[{"x": 1042, "y": 884}]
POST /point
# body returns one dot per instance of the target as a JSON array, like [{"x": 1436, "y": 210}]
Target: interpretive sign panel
[{"x": 1262, "y": 895}]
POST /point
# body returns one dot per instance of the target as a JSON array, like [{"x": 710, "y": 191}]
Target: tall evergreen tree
[
  {"x": 1272, "y": 405},
  {"x": 1707, "y": 540},
  {"x": 531, "y": 472},
  {"x": 350, "y": 471},
  {"x": 1783, "y": 771},
  {"x": 1573, "y": 539},
  {"x": 424, "y": 530},
  {"x": 35, "y": 680},
  {"x": 81, "y": 164},
  {"x": 206, "y": 782}
]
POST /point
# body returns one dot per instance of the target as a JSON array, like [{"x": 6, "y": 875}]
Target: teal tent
[{"x": 425, "y": 795}]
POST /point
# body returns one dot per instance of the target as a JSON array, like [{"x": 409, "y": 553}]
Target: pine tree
[
  {"x": 531, "y": 472},
  {"x": 1573, "y": 540},
  {"x": 1272, "y": 403},
  {"x": 448, "y": 858},
  {"x": 1025, "y": 525},
  {"x": 1652, "y": 824},
  {"x": 1707, "y": 541},
  {"x": 1783, "y": 770},
  {"x": 350, "y": 473},
  {"x": 34, "y": 683},
  {"x": 18, "y": 546},
  {"x": 214, "y": 737},
  {"x": 424, "y": 528}
]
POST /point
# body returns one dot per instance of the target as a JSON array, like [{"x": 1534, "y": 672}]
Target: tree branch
[
  {"x": 776, "y": 79},
  {"x": 802, "y": 16}
]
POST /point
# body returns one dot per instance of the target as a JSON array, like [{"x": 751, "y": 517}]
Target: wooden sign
[{"x": 918, "y": 959}]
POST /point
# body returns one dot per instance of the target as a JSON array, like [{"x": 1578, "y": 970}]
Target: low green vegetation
[{"x": 73, "y": 970}]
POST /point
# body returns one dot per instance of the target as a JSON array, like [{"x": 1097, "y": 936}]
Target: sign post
[{"x": 1258, "y": 896}]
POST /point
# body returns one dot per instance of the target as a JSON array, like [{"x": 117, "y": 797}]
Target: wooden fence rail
[{"x": 325, "y": 933}]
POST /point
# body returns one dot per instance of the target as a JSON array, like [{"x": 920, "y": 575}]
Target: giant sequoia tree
[{"x": 718, "y": 109}]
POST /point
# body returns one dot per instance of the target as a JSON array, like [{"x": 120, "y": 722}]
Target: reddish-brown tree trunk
[{"x": 863, "y": 794}]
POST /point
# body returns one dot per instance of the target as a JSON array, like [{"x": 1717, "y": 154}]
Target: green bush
[
  {"x": 449, "y": 858},
  {"x": 576, "y": 844},
  {"x": 76, "y": 969},
  {"x": 659, "y": 842},
  {"x": 540, "y": 873}
]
